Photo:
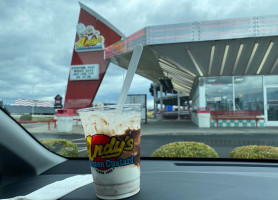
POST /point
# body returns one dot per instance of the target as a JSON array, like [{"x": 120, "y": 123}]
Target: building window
[
  {"x": 271, "y": 80},
  {"x": 219, "y": 93},
  {"x": 248, "y": 93}
]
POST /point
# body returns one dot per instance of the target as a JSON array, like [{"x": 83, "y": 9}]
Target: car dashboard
[{"x": 170, "y": 179}]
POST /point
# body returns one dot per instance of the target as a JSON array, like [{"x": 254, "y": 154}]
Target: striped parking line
[
  {"x": 83, "y": 149},
  {"x": 78, "y": 139},
  {"x": 80, "y": 143}
]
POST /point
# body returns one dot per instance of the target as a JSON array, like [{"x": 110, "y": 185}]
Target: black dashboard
[{"x": 171, "y": 179}]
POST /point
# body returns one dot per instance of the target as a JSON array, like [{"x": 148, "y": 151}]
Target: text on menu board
[{"x": 84, "y": 72}]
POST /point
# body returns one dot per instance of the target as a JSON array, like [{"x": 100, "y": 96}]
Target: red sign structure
[{"x": 93, "y": 34}]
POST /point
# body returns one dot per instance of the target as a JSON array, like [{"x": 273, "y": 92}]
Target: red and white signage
[
  {"x": 89, "y": 39},
  {"x": 92, "y": 35}
]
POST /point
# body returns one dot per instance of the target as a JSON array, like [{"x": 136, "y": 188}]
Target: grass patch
[
  {"x": 62, "y": 147},
  {"x": 17, "y": 118},
  {"x": 43, "y": 118},
  {"x": 255, "y": 152},
  {"x": 26, "y": 117},
  {"x": 150, "y": 115},
  {"x": 86, "y": 155},
  {"x": 185, "y": 149}
]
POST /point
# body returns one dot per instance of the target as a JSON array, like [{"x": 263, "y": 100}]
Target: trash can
[
  {"x": 64, "y": 120},
  {"x": 204, "y": 120}
]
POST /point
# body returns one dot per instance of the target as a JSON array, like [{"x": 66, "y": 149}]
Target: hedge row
[
  {"x": 62, "y": 147},
  {"x": 200, "y": 150},
  {"x": 67, "y": 148},
  {"x": 255, "y": 152},
  {"x": 185, "y": 149}
]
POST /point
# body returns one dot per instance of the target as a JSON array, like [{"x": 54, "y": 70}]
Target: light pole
[{"x": 33, "y": 87}]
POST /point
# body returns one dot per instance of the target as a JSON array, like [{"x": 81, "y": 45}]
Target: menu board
[
  {"x": 138, "y": 99},
  {"x": 84, "y": 72}
]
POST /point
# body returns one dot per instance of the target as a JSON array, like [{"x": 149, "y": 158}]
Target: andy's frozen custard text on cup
[{"x": 113, "y": 142}]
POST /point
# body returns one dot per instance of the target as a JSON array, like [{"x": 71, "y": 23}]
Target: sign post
[{"x": 88, "y": 63}]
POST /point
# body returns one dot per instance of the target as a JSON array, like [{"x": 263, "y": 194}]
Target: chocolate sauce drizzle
[{"x": 135, "y": 134}]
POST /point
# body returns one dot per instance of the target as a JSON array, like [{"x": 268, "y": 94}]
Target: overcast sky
[{"x": 37, "y": 38}]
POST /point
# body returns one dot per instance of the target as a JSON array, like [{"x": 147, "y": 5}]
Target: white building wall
[
  {"x": 199, "y": 100},
  {"x": 199, "y": 95}
]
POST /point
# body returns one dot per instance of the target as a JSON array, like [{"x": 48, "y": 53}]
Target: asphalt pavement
[
  {"x": 157, "y": 133},
  {"x": 222, "y": 144}
]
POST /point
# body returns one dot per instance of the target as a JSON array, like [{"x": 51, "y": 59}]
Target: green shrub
[
  {"x": 185, "y": 149},
  {"x": 150, "y": 115},
  {"x": 255, "y": 152},
  {"x": 86, "y": 154},
  {"x": 62, "y": 147},
  {"x": 26, "y": 117}
]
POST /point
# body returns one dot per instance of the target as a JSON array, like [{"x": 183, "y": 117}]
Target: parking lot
[{"x": 157, "y": 133}]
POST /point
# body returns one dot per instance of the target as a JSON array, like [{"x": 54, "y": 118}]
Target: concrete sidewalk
[
  {"x": 166, "y": 127},
  {"x": 40, "y": 128},
  {"x": 181, "y": 127}
]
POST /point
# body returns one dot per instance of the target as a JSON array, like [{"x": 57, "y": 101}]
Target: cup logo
[{"x": 105, "y": 152}]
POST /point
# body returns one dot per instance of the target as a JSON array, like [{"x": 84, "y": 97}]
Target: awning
[{"x": 183, "y": 52}]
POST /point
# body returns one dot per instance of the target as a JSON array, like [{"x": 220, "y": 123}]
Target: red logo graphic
[{"x": 103, "y": 150}]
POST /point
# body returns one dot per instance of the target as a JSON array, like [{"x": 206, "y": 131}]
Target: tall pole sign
[{"x": 88, "y": 66}]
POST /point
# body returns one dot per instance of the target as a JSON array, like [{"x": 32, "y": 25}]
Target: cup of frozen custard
[{"x": 113, "y": 142}]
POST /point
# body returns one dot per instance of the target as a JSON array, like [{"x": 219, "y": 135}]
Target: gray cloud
[
  {"x": 38, "y": 41},
  {"x": 37, "y": 37}
]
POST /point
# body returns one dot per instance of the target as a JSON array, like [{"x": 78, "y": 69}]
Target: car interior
[{"x": 27, "y": 166}]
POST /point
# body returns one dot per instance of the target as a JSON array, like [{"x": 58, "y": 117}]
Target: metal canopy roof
[{"x": 182, "y": 52}]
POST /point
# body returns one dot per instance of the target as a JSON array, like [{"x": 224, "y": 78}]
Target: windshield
[{"x": 206, "y": 83}]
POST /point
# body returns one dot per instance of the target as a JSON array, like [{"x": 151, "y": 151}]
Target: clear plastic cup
[{"x": 113, "y": 142}]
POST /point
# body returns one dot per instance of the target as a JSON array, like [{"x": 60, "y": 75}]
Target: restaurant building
[
  {"x": 239, "y": 101},
  {"x": 227, "y": 68}
]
